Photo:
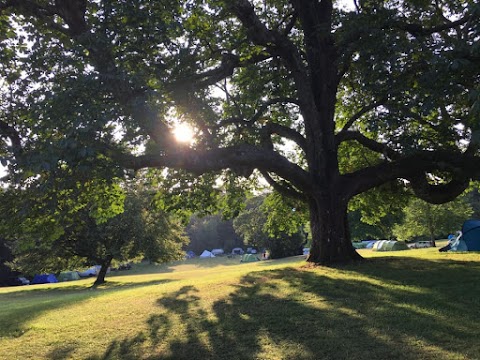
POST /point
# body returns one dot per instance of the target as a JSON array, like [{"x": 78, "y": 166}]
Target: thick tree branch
[
  {"x": 461, "y": 166},
  {"x": 264, "y": 107},
  {"x": 28, "y": 7},
  {"x": 290, "y": 24},
  {"x": 408, "y": 113},
  {"x": 225, "y": 69},
  {"x": 210, "y": 77},
  {"x": 269, "y": 103},
  {"x": 133, "y": 97},
  {"x": 285, "y": 132},
  {"x": 255, "y": 28},
  {"x": 283, "y": 189},
  {"x": 321, "y": 52},
  {"x": 441, "y": 193},
  {"x": 199, "y": 162},
  {"x": 71, "y": 11},
  {"x": 360, "y": 113},
  {"x": 270, "y": 128},
  {"x": 419, "y": 30},
  {"x": 10, "y": 132},
  {"x": 277, "y": 44},
  {"x": 368, "y": 143}
]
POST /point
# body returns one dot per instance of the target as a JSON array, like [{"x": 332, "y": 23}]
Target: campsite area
[{"x": 416, "y": 304}]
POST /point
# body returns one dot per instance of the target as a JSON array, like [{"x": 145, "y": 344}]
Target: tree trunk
[
  {"x": 331, "y": 242},
  {"x": 103, "y": 271}
]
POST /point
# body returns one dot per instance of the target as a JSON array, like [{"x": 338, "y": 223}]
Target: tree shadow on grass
[
  {"x": 377, "y": 310},
  {"x": 217, "y": 261},
  {"x": 126, "y": 349},
  {"x": 18, "y": 308},
  {"x": 61, "y": 353},
  {"x": 116, "y": 285},
  {"x": 110, "y": 284},
  {"x": 144, "y": 269}
]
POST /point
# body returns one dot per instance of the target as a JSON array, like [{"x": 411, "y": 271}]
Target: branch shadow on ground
[
  {"x": 25, "y": 306},
  {"x": 375, "y": 311}
]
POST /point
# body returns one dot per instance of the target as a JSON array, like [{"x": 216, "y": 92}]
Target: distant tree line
[
  {"x": 96, "y": 223},
  {"x": 108, "y": 223},
  {"x": 265, "y": 223},
  {"x": 387, "y": 215},
  {"x": 210, "y": 232}
]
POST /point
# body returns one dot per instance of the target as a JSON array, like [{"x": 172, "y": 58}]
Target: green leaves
[
  {"x": 80, "y": 105},
  {"x": 269, "y": 222},
  {"x": 432, "y": 221},
  {"x": 87, "y": 225}
]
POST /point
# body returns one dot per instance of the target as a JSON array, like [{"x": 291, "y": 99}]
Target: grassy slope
[{"x": 417, "y": 304}]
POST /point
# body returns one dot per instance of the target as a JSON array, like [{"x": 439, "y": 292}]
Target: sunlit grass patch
[{"x": 421, "y": 305}]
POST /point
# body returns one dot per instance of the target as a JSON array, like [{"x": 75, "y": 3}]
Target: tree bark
[
  {"x": 103, "y": 271},
  {"x": 331, "y": 242}
]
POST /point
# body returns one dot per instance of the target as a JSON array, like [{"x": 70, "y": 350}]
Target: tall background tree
[
  {"x": 102, "y": 224},
  {"x": 210, "y": 232},
  {"x": 285, "y": 90},
  {"x": 433, "y": 221},
  {"x": 269, "y": 223}
]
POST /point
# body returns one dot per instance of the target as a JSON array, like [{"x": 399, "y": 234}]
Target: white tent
[
  {"x": 217, "y": 252},
  {"x": 206, "y": 254},
  {"x": 237, "y": 251}
]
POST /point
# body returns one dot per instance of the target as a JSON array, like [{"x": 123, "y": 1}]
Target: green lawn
[{"x": 416, "y": 304}]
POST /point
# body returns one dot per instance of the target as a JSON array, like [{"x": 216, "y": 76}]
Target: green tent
[
  {"x": 390, "y": 245},
  {"x": 249, "y": 258},
  {"x": 359, "y": 245},
  {"x": 68, "y": 276}
]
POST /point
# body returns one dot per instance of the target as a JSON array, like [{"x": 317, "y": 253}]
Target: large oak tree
[{"x": 324, "y": 103}]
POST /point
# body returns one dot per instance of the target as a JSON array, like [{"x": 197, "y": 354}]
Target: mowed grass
[{"x": 416, "y": 304}]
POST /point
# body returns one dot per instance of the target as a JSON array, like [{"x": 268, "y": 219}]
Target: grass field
[{"x": 416, "y": 304}]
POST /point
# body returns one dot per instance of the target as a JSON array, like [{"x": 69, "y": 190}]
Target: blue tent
[
  {"x": 44, "y": 279},
  {"x": 370, "y": 244},
  {"x": 468, "y": 240},
  {"x": 189, "y": 254},
  {"x": 471, "y": 234}
]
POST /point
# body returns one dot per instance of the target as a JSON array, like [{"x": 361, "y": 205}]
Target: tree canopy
[
  {"x": 269, "y": 223},
  {"x": 93, "y": 230},
  {"x": 433, "y": 221},
  {"x": 212, "y": 232},
  {"x": 323, "y": 102}
]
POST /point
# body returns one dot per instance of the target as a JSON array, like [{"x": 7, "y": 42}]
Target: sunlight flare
[{"x": 183, "y": 133}]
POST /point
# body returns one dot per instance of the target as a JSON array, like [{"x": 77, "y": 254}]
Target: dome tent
[
  {"x": 44, "y": 279},
  {"x": 217, "y": 252},
  {"x": 467, "y": 240},
  {"x": 370, "y": 244},
  {"x": 237, "y": 251},
  {"x": 249, "y": 258},
  {"x": 68, "y": 276},
  {"x": 206, "y": 254},
  {"x": 390, "y": 245}
]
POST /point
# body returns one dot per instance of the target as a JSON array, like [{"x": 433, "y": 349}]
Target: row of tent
[
  {"x": 214, "y": 252},
  {"x": 389, "y": 245},
  {"x": 246, "y": 258},
  {"x": 467, "y": 240},
  {"x": 64, "y": 276},
  {"x": 381, "y": 245},
  {"x": 51, "y": 278}
]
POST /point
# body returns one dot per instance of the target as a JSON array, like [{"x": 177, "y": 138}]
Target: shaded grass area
[
  {"x": 424, "y": 307},
  {"x": 18, "y": 308},
  {"x": 370, "y": 311}
]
